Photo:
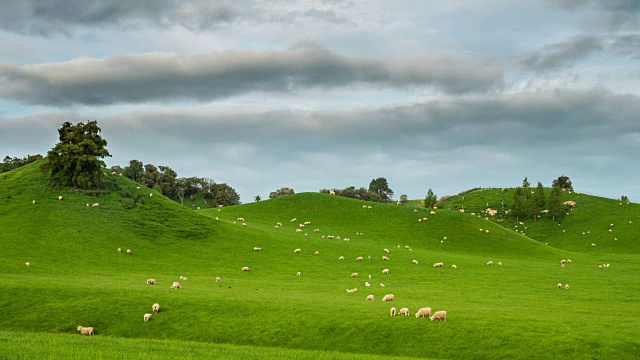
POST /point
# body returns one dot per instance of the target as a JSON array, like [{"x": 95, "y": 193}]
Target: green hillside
[{"x": 77, "y": 277}]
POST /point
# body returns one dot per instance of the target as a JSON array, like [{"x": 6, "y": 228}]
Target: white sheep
[
  {"x": 34, "y": 202},
  {"x": 150, "y": 195},
  {"x": 566, "y": 286},
  {"x": 426, "y": 311},
  {"x": 369, "y": 298},
  {"x": 499, "y": 263},
  {"x": 559, "y": 285},
  {"x": 244, "y": 224},
  {"x": 138, "y": 187},
  {"x": 352, "y": 290},
  {"x": 369, "y": 207},
  {"x": 147, "y": 316},
  {"x": 359, "y": 258},
  {"x": 151, "y": 281},
  {"x": 294, "y": 220},
  {"x": 128, "y": 251},
  {"x": 593, "y": 244},
  {"x": 384, "y": 257},
  {"x": 369, "y": 276},
  {"x": 155, "y": 308},
  {"x": 419, "y": 220},
  {"x": 381, "y": 284},
  {"x": 316, "y": 253},
  {"x": 385, "y": 271},
  {"x": 386, "y": 251},
  {"x": 366, "y": 283},
  {"x": 354, "y": 275},
  {"x": 341, "y": 258},
  {"x": 392, "y": 311},
  {"x": 86, "y": 330},
  {"x": 388, "y": 297},
  {"x": 183, "y": 278},
  {"x": 218, "y": 279},
  {"x": 490, "y": 263},
  {"x": 246, "y": 268},
  {"x": 95, "y": 205},
  {"x": 404, "y": 311},
  {"x": 119, "y": 250},
  {"x": 439, "y": 315},
  {"x": 298, "y": 273},
  {"x": 27, "y": 264},
  {"x": 454, "y": 266},
  {"x": 241, "y": 219},
  {"x": 563, "y": 261},
  {"x": 60, "y": 198},
  {"x": 415, "y": 262},
  {"x": 438, "y": 264},
  {"x": 219, "y": 220},
  {"x": 176, "y": 285},
  {"x": 296, "y": 251},
  {"x": 298, "y": 230}
]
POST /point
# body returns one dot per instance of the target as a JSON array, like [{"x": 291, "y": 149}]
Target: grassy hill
[{"x": 77, "y": 277}]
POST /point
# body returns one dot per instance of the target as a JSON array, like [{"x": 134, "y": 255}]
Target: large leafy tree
[
  {"x": 563, "y": 182},
  {"x": 281, "y": 192},
  {"x": 517, "y": 207},
  {"x": 555, "y": 202},
  {"x": 381, "y": 187},
  {"x": 135, "y": 171},
  {"x": 430, "y": 200},
  {"x": 77, "y": 159},
  {"x": 538, "y": 200}
]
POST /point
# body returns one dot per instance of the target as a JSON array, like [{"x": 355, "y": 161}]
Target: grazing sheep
[
  {"x": 95, "y": 205},
  {"x": 86, "y": 330},
  {"x": 386, "y": 251},
  {"x": 352, "y": 290},
  {"x": 155, "y": 308},
  {"x": 419, "y": 220},
  {"x": 219, "y": 219},
  {"x": 60, "y": 198},
  {"x": 499, "y": 263},
  {"x": 563, "y": 261},
  {"x": 566, "y": 286},
  {"x": 426, "y": 311},
  {"x": 332, "y": 192},
  {"x": 147, "y": 316},
  {"x": 298, "y": 230},
  {"x": 568, "y": 260},
  {"x": 301, "y": 226},
  {"x": 384, "y": 257},
  {"x": 359, "y": 258},
  {"x": 392, "y": 311},
  {"x": 27, "y": 264},
  {"x": 593, "y": 244},
  {"x": 316, "y": 253},
  {"x": 296, "y": 251},
  {"x": 244, "y": 225},
  {"x": 438, "y": 264},
  {"x": 34, "y": 202},
  {"x": 151, "y": 281},
  {"x": 432, "y": 212},
  {"x": 369, "y": 298},
  {"x": 316, "y": 230},
  {"x": 298, "y": 273},
  {"x": 388, "y": 297},
  {"x": 119, "y": 250},
  {"x": 150, "y": 195},
  {"x": 246, "y": 268},
  {"x": 454, "y": 266},
  {"x": 404, "y": 311},
  {"x": 608, "y": 265},
  {"x": 369, "y": 276},
  {"x": 385, "y": 271},
  {"x": 599, "y": 266},
  {"x": 366, "y": 283},
  {"x": 439, "y": 315},
  {"x": 490, "y": 263},
  {"x": 414, "y": 262},
  {"x": 241, "y": 219},
  {"x": 415, "y": 210},
  {"x": 559, "y": 285},
  {"x": 183, "y": 278},
  {"x": 176, "y": 285},
  {"x": 294, "y": 220},
  {"x": 138, "y": 187},
  {"x": 341, "y": 258},
  {"x": 218, "y": 279},
  {"x": 128, "y": 251},
  {"x": 354, "y": 275},
  {"x": 381, "y": 284},
  {"x": 406, "y": 247},
  {"x": 257, "y": 249},
  {"x": 369, "y": 207}
]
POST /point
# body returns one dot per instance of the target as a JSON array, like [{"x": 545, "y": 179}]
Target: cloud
[
  {"x": 562, "y": 54},
  {"x": 619, "y": 13},
  {"x": 47, "y": 18},
  {"x": 160, "y": 77}
]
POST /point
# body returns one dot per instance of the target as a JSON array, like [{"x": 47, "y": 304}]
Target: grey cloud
[
  {"x": 168, "y": 77},
  {"x": 34, "y": 17},
  {"x": 619, "y": 13},
  {"x": 562, "y": 54}
]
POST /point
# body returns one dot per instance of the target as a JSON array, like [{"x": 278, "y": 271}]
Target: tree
[
  {"x": 525, "y": 188},
  {"x": 77, "y": 159},
  {"x": 223, "y": 194},
  {"x": 430, "y": 200},
  {"x": 404, "y": 198},
  {"x": 257, "y": 198},
  {"x": 538, "y": 200},
  {"x": 563, "y": 182},
  {"x": 624, "y": 199},
  {"x": 380, "y": 186},
  {"x": 555, "y": 202},
  {"x": 135, "y": 171},
  {"x": 517, "y": 207},
  {"x": 281, "y": 192}
]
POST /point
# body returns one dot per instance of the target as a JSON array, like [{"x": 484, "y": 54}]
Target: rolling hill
[{"x": 77, "y": 277}]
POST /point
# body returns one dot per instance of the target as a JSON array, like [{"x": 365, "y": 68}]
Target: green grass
[{"x": 513, "y": 311}]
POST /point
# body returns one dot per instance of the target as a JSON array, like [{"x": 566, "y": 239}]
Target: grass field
[{"x": 77, "y": 277}]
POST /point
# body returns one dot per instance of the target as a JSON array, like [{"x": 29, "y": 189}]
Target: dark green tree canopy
[
  {"x": 518, "y": 207},
  {"x": 430, "y": 200},
  {"x": 77, "y": 159},
  {"x": 281, "y": 192},
  {"x": 563, "y": 182},
  {"x": 555, "y": 202},
  {"x": 380, "y": 186}
]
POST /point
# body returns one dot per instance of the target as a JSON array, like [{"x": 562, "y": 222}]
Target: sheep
[
  {"x": 151, "y": 281},
  {"x": 307, "y": 223},
  {"x": 599, "y": 266},
  {"x": 406, "y": 247},
  {"x": 257, "y": 249},
  {"x": 298, "y": 230},
  {"x": 219, "y": 220},
  {"x": 419, "y": 220},
  {"x": 432, "y": 212},
  {"x": 138, "y": 187},
  {"x": 385, "y": 271},
  {"x": 392, "y": 311},
  {"x": 246, "y": 268},
  {"x": 499, "y": 263},
  {"x": 244, "y": 224},
  {"x": 568, "y": 260},
  {"x": 176, "y": 285},
  {"x": 218, "y": 279},
  {"x": 490, "y": 263},
  {"x": 147, "y": 316},
  {"x": 294, "y": 220},
  {"x": 566, "y": 286},
  {"x": 86, "y": 330},
  {"x": 369, "y": 298},
  {"x": 563, "y": 261},
  {"x": 352, "y": 290},
  {"x": 332, "y": 192},
  {"x": 34, "y": 202},
  {"x": 316, "y": 230},
  {"x": 128, "y": 251},
  {"x": 119, "y": 250},
  {"x": 439, "y": 315},
  {"x": 341, "y": 258},
  {"x": 296, "y": 251},
  {"x": 559, "y": 285},
  {"x": 426, "y": 311},
  {"x": 486, "y": 231},
  {"x": 354, "y": 275},
  {"x": 386, "y": 251},
  {"x": 388, "y": 297},
  {"x": 28, "y": 264},
  {"x": 369, "y": 276},
  {"x": 364, "y": 206},
  {"x": 415, "y": 262},
  {"x": 298, "y": 273},
  {"x": 183, "y": 278},
  {"x": 95, "y": 205},
  {"x": 359, "y": 258},
  {"x": 381, "y": 285},
  {"x": 404, "y": 311},
  {"x": 425, "y": 219},
  {"x": 384, "y": 257},
  {"x": 60, "y": 198},
  {"x": 155, "y": 308},
  {"x": 611, "y": 225},
  {"x": 366, "y": 283},
  {"x": 608, "y": 265},
  {"x": 369, "y": 207},
  {"x": 301, "y": 226},
  {"x": 316, "y": 253},
  {"x": 593, "y": 244},
  {"x": 151, "y": 195},
  {"x": 454, "y": 266},
  {"x": 438, "y": 264},
  {"x": 241, "y": 219}
]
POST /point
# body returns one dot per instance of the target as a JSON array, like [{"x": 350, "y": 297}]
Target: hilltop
[{"x": 78, "y": 278}]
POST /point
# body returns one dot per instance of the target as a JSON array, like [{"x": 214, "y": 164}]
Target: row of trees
[
  {"x": 10, "y": 163},
  {"x": 378, "y": 191},
  {"x": 521, "y": 206}
]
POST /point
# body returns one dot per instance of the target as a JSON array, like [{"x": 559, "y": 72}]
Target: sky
[{"x": 442, "y": 95}]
